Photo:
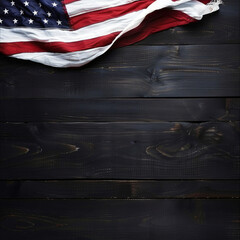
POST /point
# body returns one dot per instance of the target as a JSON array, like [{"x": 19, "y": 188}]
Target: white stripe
[
  {"x": 73, "y": 59},
  {"x": 196, "y": 9},
  {"x": 85, "y": 6}
]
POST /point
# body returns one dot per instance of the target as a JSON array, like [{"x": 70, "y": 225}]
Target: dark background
[{"x": 141, "y": 144}]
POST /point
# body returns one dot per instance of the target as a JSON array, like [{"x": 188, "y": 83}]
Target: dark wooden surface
[
  {"x": 119, "y": 219},
  {"x": 120, "y": 150},
  {"x": 134, "y": 71},
  {"x": 120, "y": 189},
  {"x": 118, "y": 110},
  {"x": 141, "y": 144}
]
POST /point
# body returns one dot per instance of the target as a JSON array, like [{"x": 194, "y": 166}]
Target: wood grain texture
[
  {"x": 117, "y": 110},
  {"x": 136, "y": 71},
  {"x": 120, "y": 189},
  {"x": 119, "y": 219},
  {"x": 119, "y": 150}
]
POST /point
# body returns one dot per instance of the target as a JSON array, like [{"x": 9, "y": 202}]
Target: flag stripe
[
  {"x": 106, "y": 14},
  {"x": 153, "y": 23},
  {"x": 72, "y": 59},
  {"x": 193, "y": 9},
  {"x": 190, "y": 8},
  {"x": 85, "y": 6},
  {"x": 58, "y": 47}
]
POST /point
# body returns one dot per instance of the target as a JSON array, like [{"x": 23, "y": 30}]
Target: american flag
[{"x": 71, "y": 33}]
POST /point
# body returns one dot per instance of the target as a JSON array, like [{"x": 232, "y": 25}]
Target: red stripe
[
  {"x": 205, "y": 1},
  {"x": 58, "y": 47},
  {"x": 157, "y": 21},
  {"x": 70, "y": 1},
  {"x": 154, "y": 22},
  {"x": 86, "y": 19}
]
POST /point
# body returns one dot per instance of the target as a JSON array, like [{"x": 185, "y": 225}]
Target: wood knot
[{"x": 185, "y": 141}]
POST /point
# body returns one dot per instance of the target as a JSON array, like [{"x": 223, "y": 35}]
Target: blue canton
[{"x": 33, "y": 13}]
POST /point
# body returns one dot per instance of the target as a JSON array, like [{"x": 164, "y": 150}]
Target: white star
[
  {"x": 45, "y": 21},
  {"x": 54, "y": 4},
  {"x": 21, "y": 12},
  {"x": 5, "y": 11},
  {"x": 49, "y": 14},
  {"x": 59, "y": 22},
  {"x": 1, "y": 21},
  {"x": 15, "y": 21},
  {"x": 30, "y": 21},
  {"x": 26, "y": 3},
  {"x": 12, "y": 3},
  {"x": 35, "y": 12}
]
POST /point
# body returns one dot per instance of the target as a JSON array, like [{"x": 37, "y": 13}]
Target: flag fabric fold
[{"x": 71, "y": 33}]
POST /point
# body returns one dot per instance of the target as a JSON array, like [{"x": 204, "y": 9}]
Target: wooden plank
[
  {"x": 117, "y": 110},
  {"x": 120, "y": 189},
  {"x": 119, "y": 150},
  {"x": 136, "y": 71},
  {"x": 119, "y": 219},
  {"x": 220, "y": 27}
]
